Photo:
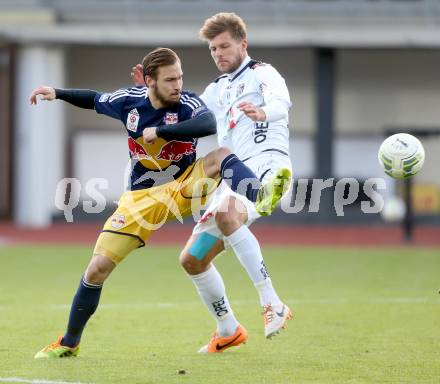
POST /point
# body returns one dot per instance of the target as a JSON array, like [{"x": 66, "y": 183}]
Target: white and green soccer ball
[{"x": 401, "y": 155}]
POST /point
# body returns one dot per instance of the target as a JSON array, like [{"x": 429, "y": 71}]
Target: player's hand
[
  {"x": 137, "y": 74},
  {"x": 45, "y": 93},
  {"x": 149, "y": 135},
  {"x": 252, "y": 111}
]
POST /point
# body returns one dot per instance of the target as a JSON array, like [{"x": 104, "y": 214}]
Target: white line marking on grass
[
  {"x": 36, "y": 381},
  {"x": 251, "y": 303},
  {"x": 403, "y": 300},
  {"x": 161, "y": 305},
  {"x": 322, "y": 301}
]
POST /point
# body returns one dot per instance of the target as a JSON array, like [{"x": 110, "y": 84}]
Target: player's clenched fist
[
  {"x": 46, "y": 93},
  {"x": 149, "y": 135}
]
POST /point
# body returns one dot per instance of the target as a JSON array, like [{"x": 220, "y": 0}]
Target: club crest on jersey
[
  {"x": 104, "y": 97},
  {"x": 240, "y": 90},
  {"x": 133, "y": 120},
  {"x": 171, "y": 118},
  {"x": 118, "y": 221}
]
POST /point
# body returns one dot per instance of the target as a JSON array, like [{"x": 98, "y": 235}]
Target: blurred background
[
  {"x": 357, "y": 70},
  {"x": 364, "y": 289}
]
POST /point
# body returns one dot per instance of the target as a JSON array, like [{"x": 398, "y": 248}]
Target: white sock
[
  {"x": 211, "y": 289},
  {"x": 247, "y": 250}
]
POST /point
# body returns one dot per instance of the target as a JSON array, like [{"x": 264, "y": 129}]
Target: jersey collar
[{"x": 232, "y": 76}]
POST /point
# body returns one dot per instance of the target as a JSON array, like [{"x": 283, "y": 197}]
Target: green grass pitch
[{"x": 360, "y": 316}]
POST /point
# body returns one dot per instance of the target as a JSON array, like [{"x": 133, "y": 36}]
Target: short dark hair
[
  {"x": 222, "y": 22},
  {"x": 157, "y": 58}
]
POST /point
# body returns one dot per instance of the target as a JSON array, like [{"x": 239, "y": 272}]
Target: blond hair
[{"x": 222, "y": 22}]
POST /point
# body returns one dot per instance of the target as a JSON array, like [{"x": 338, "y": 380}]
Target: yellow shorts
[{"x": 141, "y": 212}]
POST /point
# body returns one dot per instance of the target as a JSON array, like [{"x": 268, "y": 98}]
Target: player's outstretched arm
[
  {"x": 44, "y": 92},
  {"x": 82, "y": 98}
]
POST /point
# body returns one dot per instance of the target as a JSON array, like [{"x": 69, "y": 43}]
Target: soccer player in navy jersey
[{"x": 163, "y": 123}]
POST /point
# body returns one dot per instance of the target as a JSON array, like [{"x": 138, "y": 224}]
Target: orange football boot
[{"x": 219, "y": 344}]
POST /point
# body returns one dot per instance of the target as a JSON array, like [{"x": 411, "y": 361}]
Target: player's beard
[
  {"x": 234, "y": 65},
  {"x": 162, "y": 99}
]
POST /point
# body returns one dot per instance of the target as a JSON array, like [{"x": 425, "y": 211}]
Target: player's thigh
[
  {"x": 199, "y": 252},
  {"x": 213, "y": 160},
  {"x": 194, "y": 189},
  {"x": 115, "y": 246},
  {"x": 137, "y": 216},
  {"x": 231, "y": 215}
]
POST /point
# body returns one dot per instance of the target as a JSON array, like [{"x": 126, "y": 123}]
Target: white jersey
[
  {"x": 264, "y": 146},
  {"x": 261, "y": 85}
]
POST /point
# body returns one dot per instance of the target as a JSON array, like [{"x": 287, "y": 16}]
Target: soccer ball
[{"x": 401, "y": 155}]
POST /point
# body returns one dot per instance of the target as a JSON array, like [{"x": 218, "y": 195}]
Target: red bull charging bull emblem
[
  {"x": 174, "y": 150},
  {"x": 137, "y": 151}
]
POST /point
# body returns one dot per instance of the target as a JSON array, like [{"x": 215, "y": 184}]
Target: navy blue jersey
[{"x": 165, "y": 159}]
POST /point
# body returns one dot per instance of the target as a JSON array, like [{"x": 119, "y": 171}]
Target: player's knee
[
  {"x": 190, "y": 264},
  {"x": 223, "y": 152},
  {"x": 98, "y": 270},
  {"x": 220, "y": 154},
  {"x": 228, "y": 222}
]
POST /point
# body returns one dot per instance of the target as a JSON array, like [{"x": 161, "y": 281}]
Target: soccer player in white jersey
[{"x": 250, "y": 101}]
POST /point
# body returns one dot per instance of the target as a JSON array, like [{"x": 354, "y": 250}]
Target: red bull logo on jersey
[
  {"x": 171, "y": 118},
  {"x": 118, "y": 221},
  {"x": 174, "y": 150},
  {"x": 137, "y": 151},
  {"x": 160, "y": 153}
]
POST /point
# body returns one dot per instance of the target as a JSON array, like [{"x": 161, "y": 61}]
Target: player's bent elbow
[{"x": 211, "y": 123}]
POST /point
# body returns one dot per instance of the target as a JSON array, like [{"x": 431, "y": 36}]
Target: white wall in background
[{"x": 38, "y": 137}]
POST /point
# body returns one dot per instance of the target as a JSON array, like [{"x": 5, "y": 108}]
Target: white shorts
[{"x": 264, "y": 166}]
